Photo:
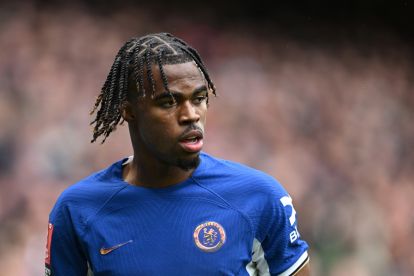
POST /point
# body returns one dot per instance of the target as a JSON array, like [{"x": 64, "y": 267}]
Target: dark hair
[{"x": 134, "y": 61}]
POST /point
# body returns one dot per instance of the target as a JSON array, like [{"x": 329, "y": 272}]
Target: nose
[{"x": 188, "y": 113}]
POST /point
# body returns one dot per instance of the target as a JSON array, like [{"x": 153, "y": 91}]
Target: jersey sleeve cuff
[{"x": 302, "y": 261}]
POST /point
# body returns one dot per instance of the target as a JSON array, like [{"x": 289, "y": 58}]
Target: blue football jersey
[{"x": 226, "y": 219}]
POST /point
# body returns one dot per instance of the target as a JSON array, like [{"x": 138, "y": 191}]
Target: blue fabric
[{"x": 203, "y": 226}]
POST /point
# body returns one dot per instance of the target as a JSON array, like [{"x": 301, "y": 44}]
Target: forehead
[
  {"x": 180, "y": 77},
  {"x": 181, "y": 69}
]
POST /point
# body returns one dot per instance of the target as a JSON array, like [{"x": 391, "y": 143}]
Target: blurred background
[{"x": 317, "y": 94}]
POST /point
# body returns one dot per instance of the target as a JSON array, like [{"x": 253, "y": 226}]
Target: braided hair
[{"x": 133, "y": 61}]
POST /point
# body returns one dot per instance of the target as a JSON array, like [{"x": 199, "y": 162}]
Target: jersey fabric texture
[{"x": 226, "y": 219}]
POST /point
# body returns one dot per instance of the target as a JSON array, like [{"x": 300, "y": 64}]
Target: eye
[
  {"x": 168, "y": 103},
  {"x": 199, "y": 99}
]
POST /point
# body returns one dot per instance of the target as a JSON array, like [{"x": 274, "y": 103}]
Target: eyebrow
[{"x": 177, "y": 94}]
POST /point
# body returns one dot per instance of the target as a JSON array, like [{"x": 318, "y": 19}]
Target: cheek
[
  {"x": 203, "y": 120},
  {"x": 157, "y": 129},
  {"x": 203, "y": 114}
]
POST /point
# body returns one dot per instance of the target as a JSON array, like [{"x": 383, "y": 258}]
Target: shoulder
[
  {"x": 253, "y": 192},
  {"x": 87, "y": 195},
  {"x": 91, "y": 186},
  {"x": 246, "y": 180}
]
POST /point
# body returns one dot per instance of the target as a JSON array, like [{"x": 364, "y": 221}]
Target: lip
[
  {"x": 192, "y": 147},
  {"x": 192, "y": 133},
  {"x": 192, "y": 141}
]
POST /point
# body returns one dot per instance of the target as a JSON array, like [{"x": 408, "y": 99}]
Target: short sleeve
[
  {"x": 64, "y": 254},
  {"x": 279, "y": 250}
]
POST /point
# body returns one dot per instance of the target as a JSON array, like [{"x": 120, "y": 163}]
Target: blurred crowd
[{"x": 331, "y": 121}]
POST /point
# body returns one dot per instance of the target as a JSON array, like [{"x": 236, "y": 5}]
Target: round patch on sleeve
[{"x": 209, "y": 236}]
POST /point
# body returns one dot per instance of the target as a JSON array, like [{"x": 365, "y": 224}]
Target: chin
[{"x": 189, "y": 163}]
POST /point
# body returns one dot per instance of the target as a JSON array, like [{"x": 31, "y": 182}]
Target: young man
[{"x": 170, "y": 209}]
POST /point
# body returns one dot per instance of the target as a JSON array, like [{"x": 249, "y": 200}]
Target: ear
[{"x": 127, "y": 112}]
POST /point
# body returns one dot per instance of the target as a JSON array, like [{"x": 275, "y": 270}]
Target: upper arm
[
  {"x": 64, "y": 251},
  {"x": 304, "y": 270},
  {"x": 284, "y": 251}
]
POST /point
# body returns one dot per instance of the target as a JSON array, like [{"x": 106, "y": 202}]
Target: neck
[{"x": 153, "y": 174}]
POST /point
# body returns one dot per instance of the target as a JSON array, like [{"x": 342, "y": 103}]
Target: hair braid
[
  {"x": 150, "y": 75},
  {"x": 196, "y": 56},
  {"x": 141, "y": 74},
  {"x": 139, "y": 82},
  {"x": 122, "y": 95},
  {"x": 99, "y": 99},
  {"x": 163, "y": 76},
  {"x": 109, "y": 96}
]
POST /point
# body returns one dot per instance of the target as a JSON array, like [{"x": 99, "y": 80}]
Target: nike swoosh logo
[{"x": 105, "y": 251}]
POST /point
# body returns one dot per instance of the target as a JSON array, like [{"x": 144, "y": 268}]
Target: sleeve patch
[
  {"x": 287, "y": 203},
  {"x": 49, "y": 243}
]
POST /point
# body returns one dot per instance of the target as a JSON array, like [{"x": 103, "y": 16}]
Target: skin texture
[
  {"x": 305, "y": 271},
  {"x": 157, "y": 125}
]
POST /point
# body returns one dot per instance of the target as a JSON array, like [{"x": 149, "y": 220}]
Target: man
[{"x": 170, "y": 209}]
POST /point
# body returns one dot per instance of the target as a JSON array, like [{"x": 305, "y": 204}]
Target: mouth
[{"x": 192, "y": 141}]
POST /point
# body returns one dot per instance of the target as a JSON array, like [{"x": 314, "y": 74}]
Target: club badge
[{"x": 209, "y": 236}]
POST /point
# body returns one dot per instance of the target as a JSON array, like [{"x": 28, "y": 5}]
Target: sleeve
[
  {"x": 279, "y": 249},
  {"x": 64, "y": 254}
]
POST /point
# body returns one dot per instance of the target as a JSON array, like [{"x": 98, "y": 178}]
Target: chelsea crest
[{"x": 209, "y": 236}]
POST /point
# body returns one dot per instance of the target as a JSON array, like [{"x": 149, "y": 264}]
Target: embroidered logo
[
  {"x": 209, "y": 236},
  {"x": 105, "y": 251}
]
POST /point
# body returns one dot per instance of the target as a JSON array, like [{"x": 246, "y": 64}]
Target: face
[{"x": 169, "y": 128}]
